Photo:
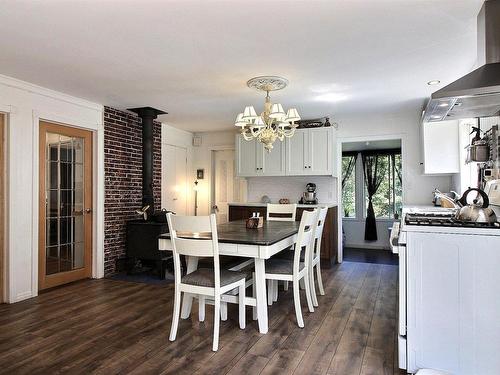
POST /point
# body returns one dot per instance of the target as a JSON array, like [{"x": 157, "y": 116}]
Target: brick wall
[{"x": 123, "y": 178}]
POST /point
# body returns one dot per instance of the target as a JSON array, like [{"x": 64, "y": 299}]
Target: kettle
[{"x": 475, "y": 212}]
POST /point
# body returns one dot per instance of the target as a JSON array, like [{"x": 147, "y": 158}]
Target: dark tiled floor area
[{"x": 370, "y": 256}]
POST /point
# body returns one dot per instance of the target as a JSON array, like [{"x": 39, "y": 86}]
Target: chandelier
[{"x": 273, "y": 123}]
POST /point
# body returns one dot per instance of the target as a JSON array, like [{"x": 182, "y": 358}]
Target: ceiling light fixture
[
  {"x": 273, "y": 123},
  {"x": 434, "y": 82}
]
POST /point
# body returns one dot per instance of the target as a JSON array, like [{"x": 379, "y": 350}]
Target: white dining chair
[
  {"x": 278, "y": 212},
  {"x": 281, "y": 212},
  {"x": 197, "y": 236},
  {"x": 295, "y": 270},
  {"x": 315, "y": 263}
]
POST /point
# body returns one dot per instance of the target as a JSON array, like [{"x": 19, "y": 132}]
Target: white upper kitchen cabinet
[
  {"x": 441, "y": 147},
  {"x": 308, "y": 153},
  {"x": 252, "y": 159},
  {"x": 320, "y": 151},
  {"x": 246, "y": 157},
  {"x": 296, "y": 153},
  {"x": 273, "y": 163}
]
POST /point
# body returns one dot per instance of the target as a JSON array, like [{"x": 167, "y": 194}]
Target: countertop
[{"x": 259, "y": 204}]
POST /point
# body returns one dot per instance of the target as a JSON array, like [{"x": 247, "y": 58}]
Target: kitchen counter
[{"x": 259, "y": 204}]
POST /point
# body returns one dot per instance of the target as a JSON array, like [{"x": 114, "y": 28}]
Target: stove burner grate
[{"x": 444, "y": 220}]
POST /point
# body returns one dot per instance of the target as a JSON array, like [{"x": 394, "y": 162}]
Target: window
[
  {"x": 349, "y": 185},
  {"x": 387, "y": 201}
]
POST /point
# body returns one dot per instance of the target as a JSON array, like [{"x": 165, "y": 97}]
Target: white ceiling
[{"x": 193, "y": 58}]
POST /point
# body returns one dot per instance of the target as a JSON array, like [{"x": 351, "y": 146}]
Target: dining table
[{"x": 255, "y": 245}]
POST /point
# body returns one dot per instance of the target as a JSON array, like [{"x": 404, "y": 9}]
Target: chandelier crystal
[{"x": 273, "y": 123}]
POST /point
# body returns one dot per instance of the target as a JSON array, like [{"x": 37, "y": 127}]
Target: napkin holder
[{"x": 255, "y": 222}]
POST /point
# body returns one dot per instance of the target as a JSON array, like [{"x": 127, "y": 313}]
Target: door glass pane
[{"x": 65, "y": 250}]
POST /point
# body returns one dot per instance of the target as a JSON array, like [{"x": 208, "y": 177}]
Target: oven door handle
[{"x": 394, "y": 238}]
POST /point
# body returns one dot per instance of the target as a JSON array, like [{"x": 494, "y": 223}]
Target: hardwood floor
[{"x": 110, "y": 327}]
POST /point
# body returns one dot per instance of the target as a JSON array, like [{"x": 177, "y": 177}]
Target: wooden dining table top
[{"x": 236, "y": 232}]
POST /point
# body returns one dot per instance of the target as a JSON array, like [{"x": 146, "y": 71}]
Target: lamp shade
[
  {"x": 239, "y": 120},
  {"x": 249, "y": 114},
  {"x": 292, "y": 115},
  {"x": 277, "y": 111},
  {"x": 259, "y": 123}
]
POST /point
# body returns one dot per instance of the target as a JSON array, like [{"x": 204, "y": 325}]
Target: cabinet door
[
  {"x": 246, "y": 158},
  {"x": 320, "y": 151},
  {"x": 296, "y": 153},
  {"x": 453, "y": 286},
  {"x": 274, "y": 162},
  {"x": 441, "y": 147}
]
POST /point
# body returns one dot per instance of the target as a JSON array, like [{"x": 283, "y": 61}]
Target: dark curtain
[
  {"x": 373, "y": 178},
  {"x": 346, "y": 173}
]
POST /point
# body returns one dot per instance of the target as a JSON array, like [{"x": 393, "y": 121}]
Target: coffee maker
[{"x": 309, "y": 196}]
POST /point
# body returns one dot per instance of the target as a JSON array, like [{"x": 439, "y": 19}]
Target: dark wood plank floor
[{"x": 111, "y": 327}]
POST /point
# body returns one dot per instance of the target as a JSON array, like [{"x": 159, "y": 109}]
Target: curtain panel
[
  {"x": 373, "y": 178},
  {"x": 346, "y": 173}
]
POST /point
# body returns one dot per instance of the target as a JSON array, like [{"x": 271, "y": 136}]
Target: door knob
[{"x": 88, "y": 210}]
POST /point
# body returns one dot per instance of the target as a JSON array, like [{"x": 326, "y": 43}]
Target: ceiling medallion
[{"x": 273, "y": 123}]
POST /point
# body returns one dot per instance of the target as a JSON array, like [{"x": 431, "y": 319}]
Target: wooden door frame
[
  {"x": 86, "y": 272},
  {"x": 3, "y": 178}
]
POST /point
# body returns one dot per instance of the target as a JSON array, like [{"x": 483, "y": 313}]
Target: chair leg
[
  {"x": 201, "y": 308},
  {"x": 254, "y": 295},
  {"x": 308, "y": 292},
  {"x": 223, "y": 311},
  {"x": 241, "y": 301},
  {"x": 275, "y": 290},
  {"x": 296, "y": 300},
  {"x": 320, "y": 280},
  {"x": 269, "y": 292},
  {"x": 215, "y": 345},
  {"x": 175, "y": 315},
  {"x": 312, "y": 287},
  {"x": 285, "y": 285}
]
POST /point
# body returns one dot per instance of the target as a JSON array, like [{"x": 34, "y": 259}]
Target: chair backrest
[
  {"x": 306, "y": 236},
  {"x": 194, "y": 236},
  {"x": 323, "y": 211},
  {"x": 281, "y": 212}
]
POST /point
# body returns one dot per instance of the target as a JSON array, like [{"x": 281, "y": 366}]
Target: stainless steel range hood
[{"x": 477, "y": 94}]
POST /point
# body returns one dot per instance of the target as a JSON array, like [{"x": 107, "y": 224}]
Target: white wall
[
  {"x": 179, "y": 138},
  {"x": 25, "y": 105},
  {"x": 202, "y": 159},
  {"x": 291, "y": 187}
]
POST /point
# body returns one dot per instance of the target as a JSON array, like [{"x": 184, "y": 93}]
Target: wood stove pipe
[{"x": 147, "y": 115}]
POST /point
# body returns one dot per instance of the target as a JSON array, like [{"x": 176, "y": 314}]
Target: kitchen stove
[{"x": 444, "y": 219}]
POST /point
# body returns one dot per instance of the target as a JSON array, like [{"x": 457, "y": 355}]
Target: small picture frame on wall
[{"x": 200, "y": 173}]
